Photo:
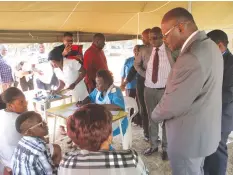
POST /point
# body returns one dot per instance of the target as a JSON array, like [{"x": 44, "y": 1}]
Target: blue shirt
[
  {"x": 115, "y": 98},
  {"x": 125, "y": 71}
]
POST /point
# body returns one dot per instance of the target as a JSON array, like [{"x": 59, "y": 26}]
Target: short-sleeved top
[
  {"x": 115, "y": 96},
  {"x": 42, "y": 63},
  {"x": 125, "y": 71},
  {"x": 9, "y": 137}
]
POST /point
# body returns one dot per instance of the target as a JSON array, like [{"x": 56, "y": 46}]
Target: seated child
[{"x": 33, "y": 155}]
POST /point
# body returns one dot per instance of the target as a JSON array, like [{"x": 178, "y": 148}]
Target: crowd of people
[{"x": 180, "y": 77}]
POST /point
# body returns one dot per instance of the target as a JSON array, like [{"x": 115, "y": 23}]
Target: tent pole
[
  {"x": 190, "y": 6},
  {"x": 77, "y": 37},
  {"x": 138, "y": 28}
]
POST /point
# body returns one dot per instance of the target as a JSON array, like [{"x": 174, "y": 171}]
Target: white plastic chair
[{"x": 130, "y": 103}]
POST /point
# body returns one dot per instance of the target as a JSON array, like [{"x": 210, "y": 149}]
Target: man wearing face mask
[
  {"x": 158, "y": 68},
  {"x": 94, "y": 60}
]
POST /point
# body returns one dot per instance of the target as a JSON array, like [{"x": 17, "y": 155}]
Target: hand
[
  {"x": 79, "y": 57},
  {"x": 72, "y": 86},
  {"x": 123, "y": 85},
  {"x": 40, "y": 72},
  {"x": 79, "y": 103},
  {"x": 66, "y": 50}
]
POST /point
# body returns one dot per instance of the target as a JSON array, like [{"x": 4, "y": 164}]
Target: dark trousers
[
  {"x": 216, "y": 163},
  {"x": 44, "y": 86},
  {"x": 142, "y": 105},
  {"x": 26, "y": 85}
]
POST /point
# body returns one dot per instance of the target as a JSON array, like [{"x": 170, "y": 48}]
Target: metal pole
[{"x": 190, "y": 6}]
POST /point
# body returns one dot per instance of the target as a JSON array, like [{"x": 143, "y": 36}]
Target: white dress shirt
[
  {"x": 189, "y": 38},
  {"x": 163, "y": 71}
]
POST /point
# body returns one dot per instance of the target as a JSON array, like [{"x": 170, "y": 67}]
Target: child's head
[
  {"x": 31, "y": 124},
  {"x": 15, "y": 100}
]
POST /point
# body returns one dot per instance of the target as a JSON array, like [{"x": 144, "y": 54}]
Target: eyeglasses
[
  {"x": 169, "y": 31},
  {"x": 41, "y": 124},
  {"x": 156, "y": 37}
]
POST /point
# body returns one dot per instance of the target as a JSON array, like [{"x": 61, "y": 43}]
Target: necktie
[{"x": 155, "y": 66}]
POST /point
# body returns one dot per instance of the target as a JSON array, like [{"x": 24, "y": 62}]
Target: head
[
  {"x": 15, "y": 100},
  {"x": 177, "y": 25},
  {"x": 31, "y": 124},
  {"x": 90, "y": 127},
  {"x": 136, "y": 50},
  {"x": 156, "y": 37},
  {"x": 145, "y": 37},
  {"x": 55, "y": 58},
  {"x": 99, "y": 40},
  {"x": 220, "y": 38},
  {"x": 3, "y": 50},
  {"x": 104, "y": 79},
  {"x": 41, "y": 48},
  {"x": 67, "y": 38}
]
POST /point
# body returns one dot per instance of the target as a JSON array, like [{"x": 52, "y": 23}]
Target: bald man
[
  {"x": 94, "y": 60},
  {"x": 140, "y": 64},
  {"x": 192, "y": 102}
]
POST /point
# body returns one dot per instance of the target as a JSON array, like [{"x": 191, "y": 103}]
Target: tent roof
[{"x": 107, "y": 17}]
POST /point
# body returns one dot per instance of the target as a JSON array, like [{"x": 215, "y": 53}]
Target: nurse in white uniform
[{"x": 70, "y": 74}]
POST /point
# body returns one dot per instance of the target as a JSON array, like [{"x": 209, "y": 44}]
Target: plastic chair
[{"x": 130, "y": 103}]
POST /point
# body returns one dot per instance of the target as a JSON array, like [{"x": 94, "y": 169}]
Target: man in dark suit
[{"x": 216, "y": 164}]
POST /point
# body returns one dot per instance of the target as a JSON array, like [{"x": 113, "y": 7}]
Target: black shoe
[
  {"x": 150, "y": 151},
  {"x": 164, "y": 155}
]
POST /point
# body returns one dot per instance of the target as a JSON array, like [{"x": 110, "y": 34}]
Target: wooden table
[{"x": 65, "y": 111}]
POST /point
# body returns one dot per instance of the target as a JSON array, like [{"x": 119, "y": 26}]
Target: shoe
[
  {"x": 146, "y": 139},
  {"x": 150, "y": 151},
  {"x": 164, "y": 155}
]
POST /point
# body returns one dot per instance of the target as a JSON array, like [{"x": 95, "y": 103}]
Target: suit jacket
[
  {"x": 192, "y": 103},
  {"x": 227, "y": 93}
]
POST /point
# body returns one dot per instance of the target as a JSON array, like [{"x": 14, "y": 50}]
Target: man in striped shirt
[{"x": 158, "y": 68}]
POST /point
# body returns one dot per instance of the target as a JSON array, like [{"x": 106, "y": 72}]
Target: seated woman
[
  {"x": 90, "y": 128},
  {"x": 108, "y": 95},
  {"x": 70, "y": 74},
  {"x": 15, "y": 104}
]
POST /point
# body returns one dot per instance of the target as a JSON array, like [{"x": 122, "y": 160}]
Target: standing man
[
  {"x": 158, "y": 68},
  {"x": 94, "y": 60},
  {"x": 140, "y": 65},
  {"x": 6, "y": 79},
  {"x": 45, "y": 77},
  {"x": 192, "y": 104},
  {"x": 66, "y": 48},
  {"x": 216, "y": 164}
]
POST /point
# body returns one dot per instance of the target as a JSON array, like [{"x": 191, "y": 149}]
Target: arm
[
  {"x": 181, "y": 91},
  {"x": 138, "y": 64},
  {"x": 131, "y": 75},
  {"x": 112, "y": 107},
  {"x": 82, "y": 74},
  {"x": 60, "y": 86}
]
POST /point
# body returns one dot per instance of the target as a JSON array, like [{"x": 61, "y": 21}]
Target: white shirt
[
  {"x": 41, "y": 63},
  {"x": 69, "y": 75},
  {"x": 164, "y": 69},
  {"x": 9, "y": 137},
  {"x": 189, "y": 38}
]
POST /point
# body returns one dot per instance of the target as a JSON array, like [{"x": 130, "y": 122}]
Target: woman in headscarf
[
  {"x": 70, "y": 74},
  {"x": 90, "y": 128}
]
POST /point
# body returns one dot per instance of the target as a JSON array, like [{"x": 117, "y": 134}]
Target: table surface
[{"x": 64, "y": 111}]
